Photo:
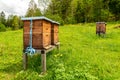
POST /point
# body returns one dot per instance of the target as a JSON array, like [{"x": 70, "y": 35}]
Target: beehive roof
[
  {"x": 39, "y": 18},
  {"x": 100, "y": 22}
]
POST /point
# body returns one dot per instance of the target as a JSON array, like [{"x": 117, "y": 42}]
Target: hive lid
[
  {"x": 39, "y": 18},
  {"x": 100, "y": 23}
]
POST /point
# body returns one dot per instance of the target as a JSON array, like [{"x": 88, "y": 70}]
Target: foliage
[
  {"x": 53, "y": 8},
  {"x": 80, "y": 11},
  {"x": 2, "y": 18},
  {"x": 43, "y": 4},
  {"x": 82, "y": 56},
  {"x": 33, "y": 10},
  {"x": 2, "y": 27},
  {"x": 70, "y": 20},
  {"x": 15, "y": 24},
  {"x": 58, "y": 8},
  {"x": 56, "y": 18},
  {"x": 114, "y": 6},
  {"x": 9, "y": 21},
  {"x": 67, "y": 12}
]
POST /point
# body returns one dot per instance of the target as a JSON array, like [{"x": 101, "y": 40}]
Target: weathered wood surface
[
  {"x": 54, "y": 34},
  {"x": 100, "y": 28},
  {"x": 41, "y": 34},
  {"x": 43, "y": 61},
  {"x": 25, "y": 61}
]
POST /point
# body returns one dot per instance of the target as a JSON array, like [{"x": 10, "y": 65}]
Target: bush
[
  {"x": 56, "y": 18},
  {"x": 70, "y": 20},
  {"x": 2, "y": 27}
]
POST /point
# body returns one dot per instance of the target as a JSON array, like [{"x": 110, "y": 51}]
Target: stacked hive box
[
  {"x": 100, "y": 27},
  {"x": 54, "y": 33},
  {"x": 41, "y": 32}
]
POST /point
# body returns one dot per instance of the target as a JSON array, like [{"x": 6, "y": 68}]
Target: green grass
[{"x": 83, "y": 55}]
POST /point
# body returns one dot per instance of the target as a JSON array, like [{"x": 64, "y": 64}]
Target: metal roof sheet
[
  {"x": 100, "y": 22},
  {"x": 39, "y": 18}
]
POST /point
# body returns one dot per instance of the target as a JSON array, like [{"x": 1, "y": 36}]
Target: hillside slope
[{"x": 83, "y": 55}]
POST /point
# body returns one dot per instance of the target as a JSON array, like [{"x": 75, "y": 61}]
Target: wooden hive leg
[
  {"x": 43, "y": 61},
  {"x": 25, "y": 60},
  {"x": 99, "y": 33},
  {"x": 58, "y": 47}
]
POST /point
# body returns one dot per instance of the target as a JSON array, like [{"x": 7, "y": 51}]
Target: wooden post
[
  {"x": 25, "y": 60},
  {"x": 58, "y": 47},
  {"x": 43, "y": 61}
]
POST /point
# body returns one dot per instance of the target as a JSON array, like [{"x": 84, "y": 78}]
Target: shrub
[
  {"x": 56, "y": 18},
  {"x": 2, "y": 27},
  {"x": 70, "y": 20}
]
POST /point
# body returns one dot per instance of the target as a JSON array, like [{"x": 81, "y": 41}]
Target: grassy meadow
[{"x": 82, "y": 56}]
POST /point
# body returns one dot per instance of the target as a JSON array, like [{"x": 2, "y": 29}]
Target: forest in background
[{"x": 66, "y": 12}]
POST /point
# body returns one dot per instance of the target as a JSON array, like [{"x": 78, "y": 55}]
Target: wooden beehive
[
  {"x": 54, "y": 33},
  {"x": 41, "y": 32},
  {"x": 100, "y": 28}
]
